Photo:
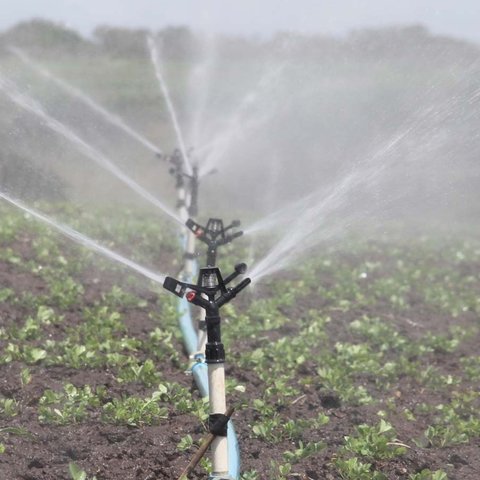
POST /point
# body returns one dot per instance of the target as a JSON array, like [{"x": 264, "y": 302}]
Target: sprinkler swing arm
[{"x": 214, "y": 235}]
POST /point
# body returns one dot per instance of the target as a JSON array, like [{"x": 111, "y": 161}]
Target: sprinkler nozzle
[
  {"x": 191, "y": 296},
  {"x": 174, "y": 286}
]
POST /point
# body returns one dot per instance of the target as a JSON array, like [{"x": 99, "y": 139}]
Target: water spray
[
  {"x": 155, "y": 58},
  {"x": 32, "y": 106},
  {"x": 84, "y": 240},
  {"x": 75, "y": 92},
  {"x": 211, "y": 293}
]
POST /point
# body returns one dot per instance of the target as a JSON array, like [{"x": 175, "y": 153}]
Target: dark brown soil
[{"x": 112, "y": 452}]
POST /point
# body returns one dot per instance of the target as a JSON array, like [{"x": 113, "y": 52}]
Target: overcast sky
[{"x": 460, "y": 18}]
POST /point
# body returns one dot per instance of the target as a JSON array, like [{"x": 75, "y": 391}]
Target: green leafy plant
[
  {"x": 8, "y": 407},
  {"x": 185, "y": 443},
  {"x": 354, "y": 469},
  {"x": 429, "y": 475},
  {"x": 76, "y": 473},
  {"x": 69, "y": 406},
  {"x": 303, "y": 451},
  {"x": 374, "y": 442},
  {"x": 135, "y": 411}
]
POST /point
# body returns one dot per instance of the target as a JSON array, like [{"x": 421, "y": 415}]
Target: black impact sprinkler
[
  {"x": 214, "y": 234},
  {"x": 184, "y": 180},
  {"x": 211, "y": 293}
]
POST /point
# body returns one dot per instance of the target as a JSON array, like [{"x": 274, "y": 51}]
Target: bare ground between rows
[{"x": 146, "y": 453}]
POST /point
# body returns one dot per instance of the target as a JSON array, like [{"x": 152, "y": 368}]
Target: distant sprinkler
[
  {"x": 177, "y": 167},
  {"x": 184, "y": 182},
  {"x": 214, "y": 235}
]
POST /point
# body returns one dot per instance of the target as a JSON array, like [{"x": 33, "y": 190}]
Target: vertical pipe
[
  {"x": 216, "y": 386},
  {"x": 182, "y": 203},
  {"x": 201, "y": 332},
  {"x": 190, "y": 263}
]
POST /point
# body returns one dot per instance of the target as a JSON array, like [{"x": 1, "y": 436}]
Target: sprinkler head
[
  {"x": 213, "y": 235},
  {"x": 210, "y": 283}
]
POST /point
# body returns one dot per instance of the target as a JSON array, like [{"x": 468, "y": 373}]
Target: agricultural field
[{"x": 360, "y": 364}]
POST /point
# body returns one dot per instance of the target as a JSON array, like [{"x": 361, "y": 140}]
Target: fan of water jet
[
  {"x": 301, "y": 208},
  {"x": 239, "y": 124},
  {"x": 77, "y": 93},
  {"x": 86, "y": 241},
  {"x": 426, "y": 119},
  {"x": 200, "y": 82},
  {"x": 310, "y": 220},
  {"x": 154, "y": 56},
  {"x": 34, "y": 107}
]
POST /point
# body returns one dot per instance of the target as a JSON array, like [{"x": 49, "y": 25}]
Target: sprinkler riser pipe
[
  {"x": 181, "y": 204},
  {"x": 202, "y": 332},
  {"x": 217, "y": 402},
  {"x": 211, "y": 256},
  {"x": 214, "y": 333},
  {"x": 190, "y": 255},
  {"x": 193, "y": 203}
]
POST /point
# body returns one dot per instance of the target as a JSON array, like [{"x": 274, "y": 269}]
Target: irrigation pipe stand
[{"x": 211, "y": 293}]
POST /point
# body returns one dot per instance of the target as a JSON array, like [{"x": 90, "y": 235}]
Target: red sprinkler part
[{"x": 191, "y": 296}]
